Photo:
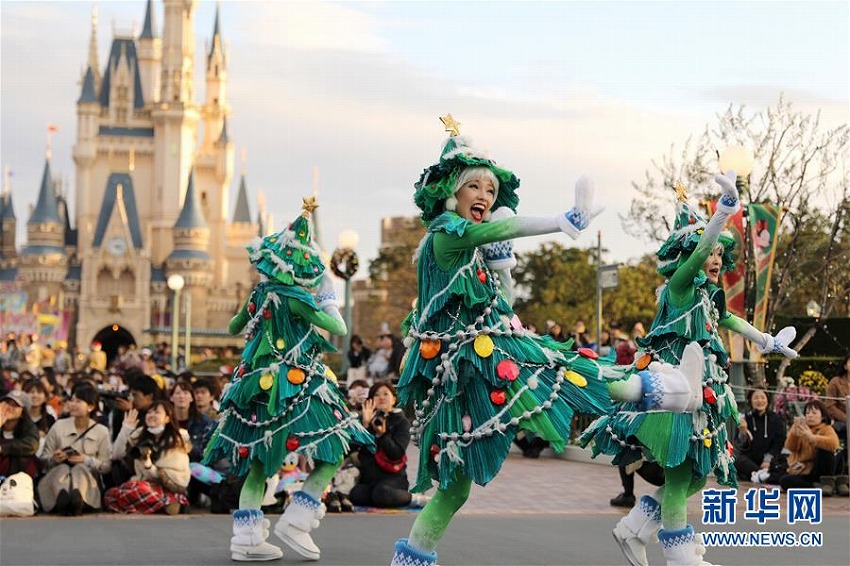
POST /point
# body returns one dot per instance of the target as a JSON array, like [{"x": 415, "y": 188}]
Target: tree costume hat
[
  {"x": 690, "y": 225},
  {"x": 437, "y": 182},
  {"x": 290, "y": 256}
]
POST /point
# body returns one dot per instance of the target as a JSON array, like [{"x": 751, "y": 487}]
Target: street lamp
[
  {"x": 175, "y": 282},
  {"x": 344, "y": 264},
  {"x": 187, "y": 346},
  {"x": 813, "y": 309}
]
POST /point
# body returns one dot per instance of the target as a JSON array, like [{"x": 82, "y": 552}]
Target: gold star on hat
[
  {"x": 308, "y": 206},
  {"x": 681, "y": 192},
  {"x": 452, "y": 125}
]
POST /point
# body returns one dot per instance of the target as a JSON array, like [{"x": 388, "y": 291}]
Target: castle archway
[{"x": 111, "y": 337}]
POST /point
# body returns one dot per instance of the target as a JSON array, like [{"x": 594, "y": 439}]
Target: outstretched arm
[
  {"x": 330, "y": 321},
  {"x": 682, "y": 282},
  {"x": 765, "y": 342}
]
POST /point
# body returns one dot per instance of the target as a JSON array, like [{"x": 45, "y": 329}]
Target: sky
[{"x": 553, "y": 90}]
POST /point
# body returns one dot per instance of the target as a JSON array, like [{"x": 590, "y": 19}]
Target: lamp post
[
  {"x": 175, "y": 282},
  {"x": 740, "y": 160},
  {"x": 344, "y": 264},
  {"x": 187, "y": 347}
]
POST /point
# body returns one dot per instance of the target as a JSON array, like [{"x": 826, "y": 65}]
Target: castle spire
[
  {"x": 217, "y": 44},
  {"x": 191, "y": 216},
  {"x": 93, "y": 60},
  {"x": 46, "y": 210},
  {"x": 242, "y": 214},
  {"x": 149, "y": 27}
]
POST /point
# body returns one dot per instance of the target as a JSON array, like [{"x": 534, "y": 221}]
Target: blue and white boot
[
  {"x": 682, "y": 547},
  {"x": 299, "y": 518},
  {"x": 250, "y": 531},
  {"x": 638, "y": 529},
  {"x": 406, "y": 555}
]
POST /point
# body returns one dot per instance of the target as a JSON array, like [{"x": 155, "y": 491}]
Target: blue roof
[
  {"x": 74, "y": 273},
  {"x": 149, "y": 28},
  {"x": 129, "y": 47},
  {"x": 158, "y": 274},
  {"x": 8, "y": 273},
  {"x": 88, "y": 94},
  {"x": 70, "y": 233},
  {"x": 191, "y": 216},
  {"x": 43, "y": 250},
  {"x": 46, "y": 210},
  {"x": 242, "y": 214},
  {"x": 8, "y": 210},
  {"x": 124, "y": 131},
  {"x": 110, "y": 195},
  {"x": 223, "y": 137},
  {"x": 188, "y": 254}
]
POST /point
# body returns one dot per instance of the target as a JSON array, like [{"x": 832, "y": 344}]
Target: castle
[{"x": 154, "y": 169}]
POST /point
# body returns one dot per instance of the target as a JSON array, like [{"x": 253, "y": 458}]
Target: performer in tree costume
[
  {"x": 474, "y": 375},
  {"x": 282, "y": 398},
  {"x": 682, "y": 424}
]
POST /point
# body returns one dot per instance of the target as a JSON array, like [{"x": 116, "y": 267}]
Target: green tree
[{"x": 558, "y": 283}]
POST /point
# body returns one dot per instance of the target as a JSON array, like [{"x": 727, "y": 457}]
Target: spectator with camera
[
  {"x": 383, "y": 475},
  {"x": 158, "y": 453},
  {"x": 811, "y": 444},
  {"x": 42, "y": 414},
  {"x": 200, "y": 428},
  {"x": 761, "y": 436},
  {"x": 18, "y": 435},
  {"x": 77, "y": 451}
]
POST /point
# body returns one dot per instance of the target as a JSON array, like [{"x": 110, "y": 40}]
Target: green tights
[
  {"x": 251, "y": 496},
  {"x": 679, "y": 485},
  {"x": 431, "y": 523}
]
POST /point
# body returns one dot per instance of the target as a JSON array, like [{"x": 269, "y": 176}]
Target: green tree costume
[{"x": 282, "y": 398}]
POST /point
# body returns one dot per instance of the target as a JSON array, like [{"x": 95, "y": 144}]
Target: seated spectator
[
  {"x": 761, "y": 436},
  {"x": 159, "y": 452},
  {"x": 358, "y": 355},
  {"x": 18, "y": 435},
  {"x": 358, "y": 392},
  {"x": 383, "y": 475},
  {"x": 206, "y": 396},
  {"x": 200, "y": 428},
  {"x": 143, "y": 392},
  {"x": 54, "y": 398},
  {"x": 41, "y": 413},
  {"x": 77, "y": 451},
  {"x": 811, "y": 444}
]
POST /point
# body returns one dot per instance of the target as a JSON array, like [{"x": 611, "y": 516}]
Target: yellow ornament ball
[
  {"x": 280, "y": 343},
  {"x": 329, "y": 373},
  {"x": 296, "y": 376},
  {"x": 706, "y": 437},
  {"x": 266, "y": 381},
  {"x": 483, "y": 346},
  {"x": 576, "y": 379}
]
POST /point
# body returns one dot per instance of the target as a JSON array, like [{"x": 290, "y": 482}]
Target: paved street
[{"x": 546, "y": 511}]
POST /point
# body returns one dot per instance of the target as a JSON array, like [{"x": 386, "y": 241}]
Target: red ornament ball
[
  {"x": 306, "y": 255},
  {"x": 252, "y": 307},
  {"x": 730, "y": 449},
  {"x": 288, "y": 252},
  {"x": 435, "y": 449},
  {"x": 243, "y": 451},
  {"x": 507, "y": 370},
  {"x": 588, "y": 353},
  {"x": 292, "y": 443},
  {"x": 482, "y": 275},
  {"x": 267, "y": 314},
  {"x": 708, "y": 326},
  {"x": 498, "y": 397},
  {"x": 708, "y": 395}
]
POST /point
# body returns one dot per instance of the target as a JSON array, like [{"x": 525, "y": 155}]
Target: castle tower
[
  {"x": 189, "y": 257},
  {"x": 43, "y": 261},
  {"x": 150, "y": 57},
  {"x": 8, "y": 227}
]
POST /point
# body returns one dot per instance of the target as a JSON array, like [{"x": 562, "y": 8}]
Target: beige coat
[
  {"x": 804, "y": 452},
  {"x": 94, "y": 445},
  {"x": 170, "y": 469}
]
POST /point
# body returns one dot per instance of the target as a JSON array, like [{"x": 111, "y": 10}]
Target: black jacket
[
  {"x": 392, "y": 443},
  {"x": 768, "y": 432}
]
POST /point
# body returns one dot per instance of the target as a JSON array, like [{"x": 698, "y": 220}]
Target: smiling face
[
  {"x": 758, "y": 401},
  {"x": 181, "y": 398},
  {"x": 78, "y": 407},
  {"x": 713, "y": 264},
  {"x": 157, "y": 417},
  {"x": 384, "y": 399},
  {"x": 476, "y": 194}
]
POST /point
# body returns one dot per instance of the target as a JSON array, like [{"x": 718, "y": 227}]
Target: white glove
[
  {"x": 675, "y": 388},
  {"x": 500, "y": 255},
  {"x": 326, "y": 293},
  {"x": 578, "y": 218},
  {"x": 729, "y": 202},
  {"x": 780, "y": 342}
]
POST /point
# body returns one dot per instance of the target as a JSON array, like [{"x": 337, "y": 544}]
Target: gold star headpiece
[
  {"x": 681, "y": 191},
  {"x": 308, "y": 205},
  {"x": 452, "y": 125}
]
